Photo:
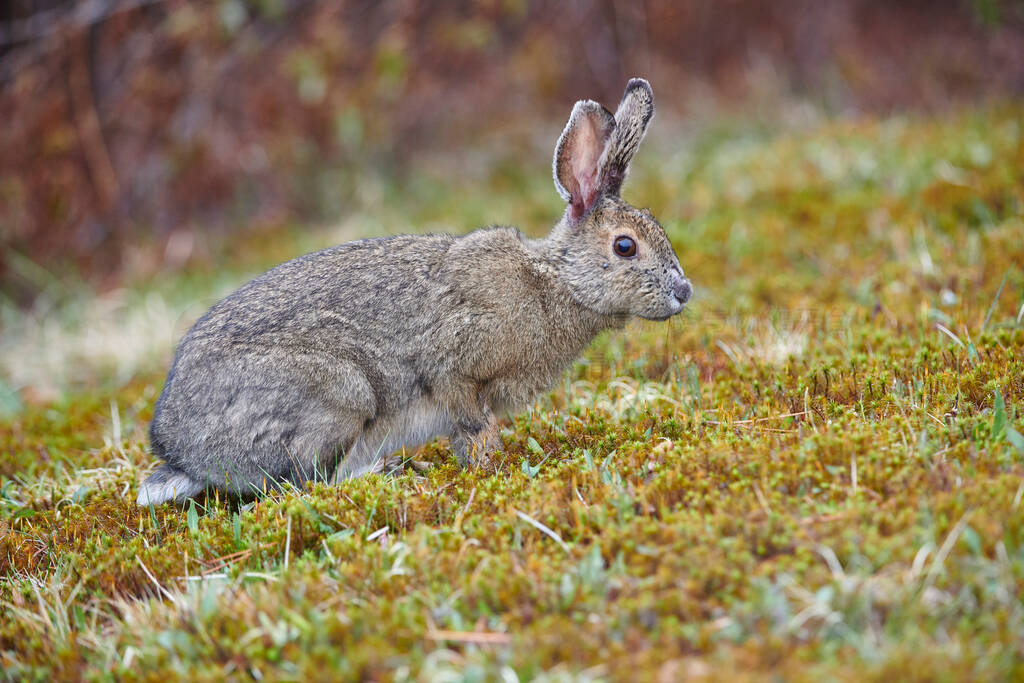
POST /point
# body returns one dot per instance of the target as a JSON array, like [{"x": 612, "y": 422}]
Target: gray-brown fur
[{"x": 328, "y": 364}]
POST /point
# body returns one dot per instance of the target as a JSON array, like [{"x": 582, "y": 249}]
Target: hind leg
[
  {"x": 378, "y": 448},
  {"x": 369, "y": 455},
  {"x": 320, "y": 452},
  {"x": 244, "y": 423},
  {"x": 333, "y": 430},
  {"x": 361, "y": 458}
]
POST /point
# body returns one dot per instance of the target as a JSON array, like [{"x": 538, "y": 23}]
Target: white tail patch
[{"x": 166, "y": 484}]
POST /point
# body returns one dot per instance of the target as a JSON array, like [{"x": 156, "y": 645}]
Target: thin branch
[
  {"x": 480, "y": 637},
  {"x": 56, "y": 20},
  {"x": 543, "y": 529}
]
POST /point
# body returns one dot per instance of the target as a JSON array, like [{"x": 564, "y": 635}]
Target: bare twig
[
  {"x": 62, "y": 19},
  {"x": 470, "y": 636},
  {"x": 87, "y": 124},
  {"x": 543, "y": 529},
  {"x": 166, "y": 593}
]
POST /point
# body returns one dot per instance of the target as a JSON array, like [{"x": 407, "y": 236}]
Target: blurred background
[
  {"x": 154, "y": 154},
  {"x": 144, "y": 134}
]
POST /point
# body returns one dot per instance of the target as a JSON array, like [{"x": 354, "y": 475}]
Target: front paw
[
  {"x": 481, "y": 459},
  {"x": 395, "y": 464},
  {"x": 478, "y": 452}
]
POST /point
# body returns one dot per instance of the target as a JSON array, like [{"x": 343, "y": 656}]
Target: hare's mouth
[
  {"x": 673, "y": 309},
  {"x": 675, "y": 303}
]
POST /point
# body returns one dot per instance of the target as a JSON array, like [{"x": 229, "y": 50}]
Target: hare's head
[{"x": 616, "y": 258}]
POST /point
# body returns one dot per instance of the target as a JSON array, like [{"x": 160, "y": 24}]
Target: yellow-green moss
[{"x": 806, "y": 476}]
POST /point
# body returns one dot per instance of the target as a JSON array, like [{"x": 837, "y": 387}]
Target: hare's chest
[{"x": 536, "y": 369}]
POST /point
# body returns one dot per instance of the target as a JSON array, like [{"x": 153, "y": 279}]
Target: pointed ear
[
  {"x": 577, "y": 163},
  {"x": 631, "y": 120}
]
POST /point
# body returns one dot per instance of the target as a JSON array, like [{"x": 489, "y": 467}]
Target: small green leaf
[
  {"x": 534, "y": 447},
  {"x": 78, "y": 615},
  {"x": 1015, "y": 438},
  {"x": 973, "y": 540},
  {"x": 529, "y": 470},
  {"x": 79, "y": 495},
  {"x": 321, "y": 525},
  {"x": 972, "y": 353},
  {"x": 24, "y": 512},
  {"x": 998, "y": 417},
  {"x": 193, "y": 518},
  {"x": 236, "y": 529},
  {"x": 338, "y": 535},
  {"x": 588, "y": 459}
]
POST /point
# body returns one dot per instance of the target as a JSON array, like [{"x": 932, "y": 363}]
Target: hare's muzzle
[{"x": 681, "y": 289}]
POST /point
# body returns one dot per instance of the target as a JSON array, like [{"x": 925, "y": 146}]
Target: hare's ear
[
  {"x": 577, "y": 167},
  {"x": 631, "y": 119}
]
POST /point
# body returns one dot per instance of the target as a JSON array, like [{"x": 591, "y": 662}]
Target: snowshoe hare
[{"x": 328, "y": 364}]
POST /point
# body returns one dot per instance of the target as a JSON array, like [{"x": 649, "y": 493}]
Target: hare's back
[
  {"x": 345, "y": 325},
  {"x": 365, "y": 286}
]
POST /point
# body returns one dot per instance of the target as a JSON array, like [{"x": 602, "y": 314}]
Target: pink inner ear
[
  {"x": 587, "y": 179},
  {"x": 587, "y": 148}
]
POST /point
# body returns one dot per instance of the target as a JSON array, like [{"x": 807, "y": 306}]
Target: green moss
[{"x": 806, "y": 476}]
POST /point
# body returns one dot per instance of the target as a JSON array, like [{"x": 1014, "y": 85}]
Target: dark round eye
[{"x": 624, "y": 246}]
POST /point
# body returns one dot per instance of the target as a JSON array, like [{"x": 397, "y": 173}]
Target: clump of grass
[{"x": 817, "y": 472}]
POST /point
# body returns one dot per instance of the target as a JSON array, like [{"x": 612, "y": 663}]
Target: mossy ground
[{"x": 817, "y": 471}]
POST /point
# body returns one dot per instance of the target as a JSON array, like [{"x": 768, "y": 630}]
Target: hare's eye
[{"x": 624, "y": 246}]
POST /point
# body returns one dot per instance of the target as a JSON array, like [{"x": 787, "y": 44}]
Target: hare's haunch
[{"x": 327, "y": 365}]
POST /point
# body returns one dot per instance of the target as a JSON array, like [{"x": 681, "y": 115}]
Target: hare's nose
[{"x": 681, "y": 289}]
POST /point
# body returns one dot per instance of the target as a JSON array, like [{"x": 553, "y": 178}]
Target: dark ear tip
[{"x": 639, "y": 83}]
